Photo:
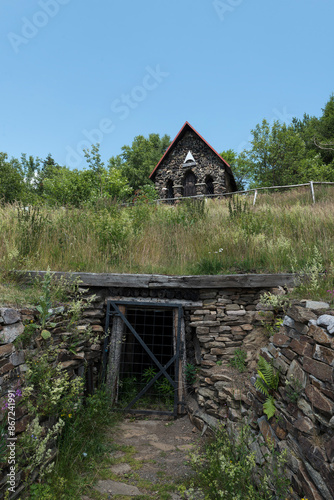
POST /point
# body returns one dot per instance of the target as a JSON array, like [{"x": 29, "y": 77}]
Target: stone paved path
[{"x": 159, "y": 458}]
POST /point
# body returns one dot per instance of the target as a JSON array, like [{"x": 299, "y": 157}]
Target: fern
[
  {"x": 269, "y": 407},
  {"x": 266, "y": 382}
]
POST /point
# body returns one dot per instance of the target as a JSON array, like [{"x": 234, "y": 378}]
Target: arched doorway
[{"x": 189, "y": 184}]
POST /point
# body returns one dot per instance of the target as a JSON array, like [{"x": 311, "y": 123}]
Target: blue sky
[{"x": 76, "y": 72}]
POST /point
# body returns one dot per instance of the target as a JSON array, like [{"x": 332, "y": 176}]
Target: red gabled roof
[{"x": 187, "y": 124}]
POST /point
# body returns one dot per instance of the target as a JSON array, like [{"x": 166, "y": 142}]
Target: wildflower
[{"x": 70, "y": 415}]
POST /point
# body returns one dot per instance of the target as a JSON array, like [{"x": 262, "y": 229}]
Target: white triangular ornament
[{"x": 189, "y": 157}]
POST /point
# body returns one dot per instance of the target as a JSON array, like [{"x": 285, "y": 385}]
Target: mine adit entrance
[{"x": 144, "y": 357}]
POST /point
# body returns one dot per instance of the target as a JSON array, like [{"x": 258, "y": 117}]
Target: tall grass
[{"x": 279, "y": 234}]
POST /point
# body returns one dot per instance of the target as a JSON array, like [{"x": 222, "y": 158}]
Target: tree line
[{"x": 278, "y": 154}]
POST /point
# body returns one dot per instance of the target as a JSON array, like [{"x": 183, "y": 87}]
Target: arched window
[
  {"x": 189, "y": 184},
  {"x": 170, "y": 192},
  {"x": 209, "y": 187}
]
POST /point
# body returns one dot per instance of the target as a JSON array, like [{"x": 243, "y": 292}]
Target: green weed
[
  {"x": 227, "y": 469},
  {"x": 239, "y": 360}
]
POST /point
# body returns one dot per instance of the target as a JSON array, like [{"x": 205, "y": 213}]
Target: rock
[
  {"x": 320, "y": 335},
  {"x": 97, "y": 328},
  {"x": 288, "y": 354},
  {"x": 329, "y": 447},
  {"x": 280, "y": 365},
  {"x": 315, "y": 305},
  {"x": 287, "y": 321},
  {"x": 9, "y": 333},
  {"x": 10, "y": 316},
  {"x": 305, "y": 425},
  {"x": 115, "y": 488},
  {"x": 247, "y": 327},
  {"x": 266, "y": 430},
  {"x": 206, "y": 393},
  {"x": 309, "y": 489},
  {"x": 241, "y": 312},
  {"x": 266, "y": 316},
  {"x": 280, "y": 340},
  {"x": 233, "y": 415},
  {"x": 319, "y": 370},
  {"x": 204, "y": 323},
  {"x": 6, "y": 368},
  {"x": 255, "y": 447},
  {"x": 327, "y": 321},
  {"x": 95, "y": 347},
  {"x": 296, "y": 372},
  {"x": 318, "y": 400},
  {"x": 264, "y": 307},
  {"x": 120, "y": 469},
  {"x": 17, "y": 358},
  {"x": 301, "y": 348},
  {"x": 22, "y": 424},
  {"x": 324, "y": 354},
  {"x": 232, "y": 307},
  {"x": 279, "y": 431},
  {"x": 6, "y": 349},
  {"x": 300, "y": 328},
  {"x": 300, "y": 314},
  {"x": 318, "y": 480}
]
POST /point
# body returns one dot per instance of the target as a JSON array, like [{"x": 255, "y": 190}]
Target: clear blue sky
[{"x": 108, "y": 70}]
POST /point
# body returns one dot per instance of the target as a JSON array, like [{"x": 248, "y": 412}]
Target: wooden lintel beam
[{"x": 155, "y": 281}]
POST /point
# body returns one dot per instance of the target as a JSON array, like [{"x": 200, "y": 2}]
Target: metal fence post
[
  {"x": 255, "y": 195},
  {"x": 312, "y": 191}
]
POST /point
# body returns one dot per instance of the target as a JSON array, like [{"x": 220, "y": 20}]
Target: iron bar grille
[{"x": 138, "y": 370}]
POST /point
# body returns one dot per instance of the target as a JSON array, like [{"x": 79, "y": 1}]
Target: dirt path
[{"x": 150, "y": 460}]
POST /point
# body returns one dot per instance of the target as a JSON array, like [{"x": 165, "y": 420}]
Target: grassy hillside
[{"x": 284, "y": 232}]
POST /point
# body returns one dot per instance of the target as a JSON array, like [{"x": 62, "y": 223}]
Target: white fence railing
[{"x": 253, "y": 190}]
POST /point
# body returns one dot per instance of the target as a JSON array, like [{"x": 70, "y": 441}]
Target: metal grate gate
[{"x": 145, "y": 357}]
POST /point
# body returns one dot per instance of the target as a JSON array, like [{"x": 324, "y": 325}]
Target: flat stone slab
[
  {"x": 315, "y": 305},
  {"x": 116, "y": 488},
  {"x": 120, "y": 469}
]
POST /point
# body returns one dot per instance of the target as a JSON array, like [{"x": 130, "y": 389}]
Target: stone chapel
[{"x": 190, "y": 167}]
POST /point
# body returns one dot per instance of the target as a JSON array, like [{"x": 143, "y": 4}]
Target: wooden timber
[{"x": 161, "y": 281}]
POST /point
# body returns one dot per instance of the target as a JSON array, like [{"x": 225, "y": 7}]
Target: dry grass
[{"x": 282, "y": 233}]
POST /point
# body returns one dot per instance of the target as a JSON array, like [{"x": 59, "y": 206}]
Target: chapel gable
[{"x": 191, "y": 167}]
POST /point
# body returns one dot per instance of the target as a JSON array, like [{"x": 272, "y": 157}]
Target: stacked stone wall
[
  {"x": 302, "y": 351},
  {"x": 77, "y": 352}
]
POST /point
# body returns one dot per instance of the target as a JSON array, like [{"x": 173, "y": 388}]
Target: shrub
[{"x": 227, "y": 469}]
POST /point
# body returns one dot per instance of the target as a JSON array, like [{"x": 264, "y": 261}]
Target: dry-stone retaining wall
[
  {"x": 83, "y": 360},
  {"x": 303, "y": 352},
  {"x": 217, "y": 322}
]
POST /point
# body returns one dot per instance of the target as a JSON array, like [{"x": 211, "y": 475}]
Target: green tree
[
  {"x": 11, "y": 179},
  {"x": 239, "y": 168},
  {"x": 324, "y": 139},
  {"x": 276, "y": 155},
  {"x": 68, "y": 187},
  {"x": 96, "y": 165},
  {"x": 138, "y": 160}
]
